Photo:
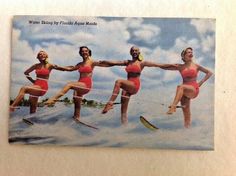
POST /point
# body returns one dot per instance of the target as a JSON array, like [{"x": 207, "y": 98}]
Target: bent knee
[
  {"x": 70, "y": 85},
  {"x": 23, "y": 89},
  {"x": 118, "y": 82},
  {"x": 180, "y": 87},
  {"x": 78, "y": 98}
]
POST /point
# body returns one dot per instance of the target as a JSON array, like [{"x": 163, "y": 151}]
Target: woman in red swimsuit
[
  {"x": 83, "y": 85},
  {"x": 40, "y": 85},
  {"x": 189, "y": 89},
  {"x": 130, "y": 86}
]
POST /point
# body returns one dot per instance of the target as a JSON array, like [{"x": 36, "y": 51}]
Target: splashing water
[{"x": 56, "y": 126}]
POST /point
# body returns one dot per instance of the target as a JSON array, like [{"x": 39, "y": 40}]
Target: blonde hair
[
  {"x": 47, "y": 60},
  {"x": 140, "y": 57}
]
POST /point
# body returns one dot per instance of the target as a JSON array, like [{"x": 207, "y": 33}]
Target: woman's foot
[
  {"x": 172, "y": 109},
  {"x": 187, "y": 125},
  {"x": 12, "y": 108},
  {"x": 76, "y": 118},
  {"x": 50, "y": 101},
  {"x": 108, "y": 107},
  {"x": 124, "y": 121}
]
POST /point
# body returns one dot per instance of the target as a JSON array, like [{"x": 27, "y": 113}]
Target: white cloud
[
  {"x": 182, "y": 43},
  {"x": 21, "y": 48},
  {"x": 147, "y": 33},
  {"x": 62, "y": 54},
  {"x": 171, "y": 75},
  {"x": 208, "y": 43},
  {"x": 80, "y": 36},
  {"x": 111, "y": 40},
  {"x": 199, "y": 60},
  {"x": 104, "y": 73},
  {"x": 203, "y": 25},
  {"x": 133, "y": 22}
]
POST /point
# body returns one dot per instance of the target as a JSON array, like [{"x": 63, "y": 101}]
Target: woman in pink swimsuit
[
  {"x": 40, "y": 85},
  {"x": 189, "y": 89},
  {"x": 83, "y": 85},
  {"x": 131, "y": 85}
]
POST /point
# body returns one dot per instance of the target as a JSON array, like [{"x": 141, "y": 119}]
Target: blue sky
[{"x": 160, "y": 40}]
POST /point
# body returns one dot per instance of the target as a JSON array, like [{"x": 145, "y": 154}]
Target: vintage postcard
[{"x": 113, "y": 82}]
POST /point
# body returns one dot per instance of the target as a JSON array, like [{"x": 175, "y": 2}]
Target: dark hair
[
  {"x": 140, "y": 57},
  {"x": 184, "y": 52},
  {"x": 131, "y": 49},
  {"x": 80, "y": 50}
]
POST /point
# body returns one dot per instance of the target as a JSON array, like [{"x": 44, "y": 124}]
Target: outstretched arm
[
  {"x": 170, "y": 66},
  {"x": 28, "y": 71},
  {"x": 162, "y": 66},
  {"x": 149, "y": 64},
  {"x": 207, "y": 76},
  {"x": 66, "y": 68},
  {"x": 105, "y": 63}
]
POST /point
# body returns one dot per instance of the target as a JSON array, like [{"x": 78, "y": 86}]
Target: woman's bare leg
[
  {"x": 126, "y": 85},
  {"x": 182, "y": 90},
  {"x": 185, "y": 101},
  {"x": 32, "y": 90},
  {"x": 79, "y": 86},
  {"x": 124, "y": 107},
  {"x": 77, "y": 103},
  {"x": 33, "y": 104}
]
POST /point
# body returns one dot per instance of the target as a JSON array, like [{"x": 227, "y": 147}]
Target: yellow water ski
[{"x": 148, "y": 124}]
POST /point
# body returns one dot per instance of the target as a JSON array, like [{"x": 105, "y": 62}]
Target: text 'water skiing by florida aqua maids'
[{"x": 78, "y": 23}]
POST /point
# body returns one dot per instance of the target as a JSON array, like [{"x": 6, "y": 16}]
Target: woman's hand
[
  {"x": 207, "y": 76},
  {"x": 104, "y": 63},
  {"x": 30, "y": 78}
]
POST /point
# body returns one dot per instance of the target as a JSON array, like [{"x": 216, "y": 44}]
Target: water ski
[
  {"x": 88, "y": 125},
  {"x": 147, "y": 124},
  {"x": 27, "y": 121},
  {"x": 85, "y": 124}
]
